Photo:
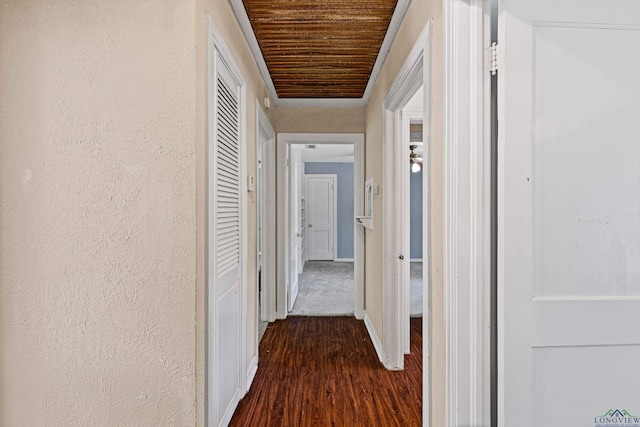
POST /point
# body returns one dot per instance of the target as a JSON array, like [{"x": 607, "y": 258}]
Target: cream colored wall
[
  {"x": 320, "y": 120},
  {"x": 419, "y": 12},
  {"x": 97, "y": 213},
  {"x": 227, "y": 25}
]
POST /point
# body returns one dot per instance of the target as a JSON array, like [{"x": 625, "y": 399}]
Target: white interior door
[
  {"x": 302, "y": 217},
  {"x": 294, "y": 221},
  {"x": 320, "y": 197},
  {"x": 224, "y": 242},
  {"x": 569, "y": 212},
  {"x": 260, "y": 216}
]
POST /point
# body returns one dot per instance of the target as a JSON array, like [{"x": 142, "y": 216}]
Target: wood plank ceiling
[{"x": 320, "y": 48}]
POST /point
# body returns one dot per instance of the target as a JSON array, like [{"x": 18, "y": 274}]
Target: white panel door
[
  {"x": 224, "y": 243},
  {"x": 320, "y": 199},
  {"x": 302, "y": 215},
  {"x": 294, "y": 225},
  {"x": 569, "y": 213}
]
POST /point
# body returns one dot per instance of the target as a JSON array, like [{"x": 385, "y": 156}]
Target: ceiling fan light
[{"x": 415, "y": 159}]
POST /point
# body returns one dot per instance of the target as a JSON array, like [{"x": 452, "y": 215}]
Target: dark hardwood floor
[{"x": 324, "y": 371}]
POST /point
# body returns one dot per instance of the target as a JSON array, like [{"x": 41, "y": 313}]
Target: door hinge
[{"x": 494, "y": 58}]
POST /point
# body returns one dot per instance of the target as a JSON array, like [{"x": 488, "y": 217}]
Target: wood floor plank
[{"x": 324, "y": 371}]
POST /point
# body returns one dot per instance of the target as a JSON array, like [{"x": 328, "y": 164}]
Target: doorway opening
[
  {"x": 322, "y": 226},
  {"x": 320, "y": 249},
  {"x": 412, "y": 183}
]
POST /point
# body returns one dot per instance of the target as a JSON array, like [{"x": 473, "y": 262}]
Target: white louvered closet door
[{"x": 225, "y": 243}]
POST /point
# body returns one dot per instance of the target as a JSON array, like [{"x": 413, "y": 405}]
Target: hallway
[{"x": 324, "y": 371}]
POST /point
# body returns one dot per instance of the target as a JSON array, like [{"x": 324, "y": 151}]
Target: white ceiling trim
[{"x": 247, "y": 30}]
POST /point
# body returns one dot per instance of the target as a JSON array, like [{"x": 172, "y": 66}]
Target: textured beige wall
[
  {"x": 321, "y": 120},
  {"x": 97, "y": 213},
  {"x": 227, "y": 25},
  {"x": 420, "y": 11}
]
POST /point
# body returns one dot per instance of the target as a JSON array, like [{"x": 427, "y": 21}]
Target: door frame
[
  {"x": 335, "y": 207},
  {"x": 283, "y": 141},
  {"x": 268, "y": 297},
  {"x": 415, "y": 72},
  {"x": 468, "y": 212},
  {"x": 217, "y": 48}
]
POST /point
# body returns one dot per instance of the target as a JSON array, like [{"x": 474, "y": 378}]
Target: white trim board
[
  {"x": 357, "y": 139},
  {"x": 467, "y": 199},
  {"x": 343, "y": 259},
  {"x": 377, "y": 344},
  {"x": 253, "y": 369},
  {"x": 247, "y": 30}
]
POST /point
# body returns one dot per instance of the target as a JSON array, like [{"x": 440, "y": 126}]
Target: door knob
[
  {"x": 310, "y": 225},
  {"x": 401, "y": 257}
]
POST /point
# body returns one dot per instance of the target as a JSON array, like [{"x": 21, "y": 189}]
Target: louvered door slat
[
  {"x": 227, "y": 181},
  {"x": 227, "y": 170}
]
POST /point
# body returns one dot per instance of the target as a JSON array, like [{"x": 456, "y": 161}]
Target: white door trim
[
  {"x": 467, "y": 199},
  {"x": 266, "y": 300},
  {"x": 264, "y": 128},
  {"x": 335, "y": 207},
  {"x": 217, "y": 48},
  {"x": 414, "y": 73},
  {"x": 357, "y": 139}
]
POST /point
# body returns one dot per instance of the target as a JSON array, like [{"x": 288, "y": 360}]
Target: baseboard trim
[
  {"x": 251, "y": 373},
  {"x": 294, "y": 295},
  {"x": 377, "y": 344},
  {"x": 229, "y": 411},
  {"x": 343, "y": 260}
]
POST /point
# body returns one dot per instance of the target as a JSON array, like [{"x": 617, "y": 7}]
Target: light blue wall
[
  {"x": 415, "y": 220},
  {"x": 345, "y": 201}
]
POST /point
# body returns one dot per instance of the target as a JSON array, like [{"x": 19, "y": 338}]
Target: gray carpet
[
  {"x": 416, "y": 289},
  {"x": 326, "y": 288}
]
